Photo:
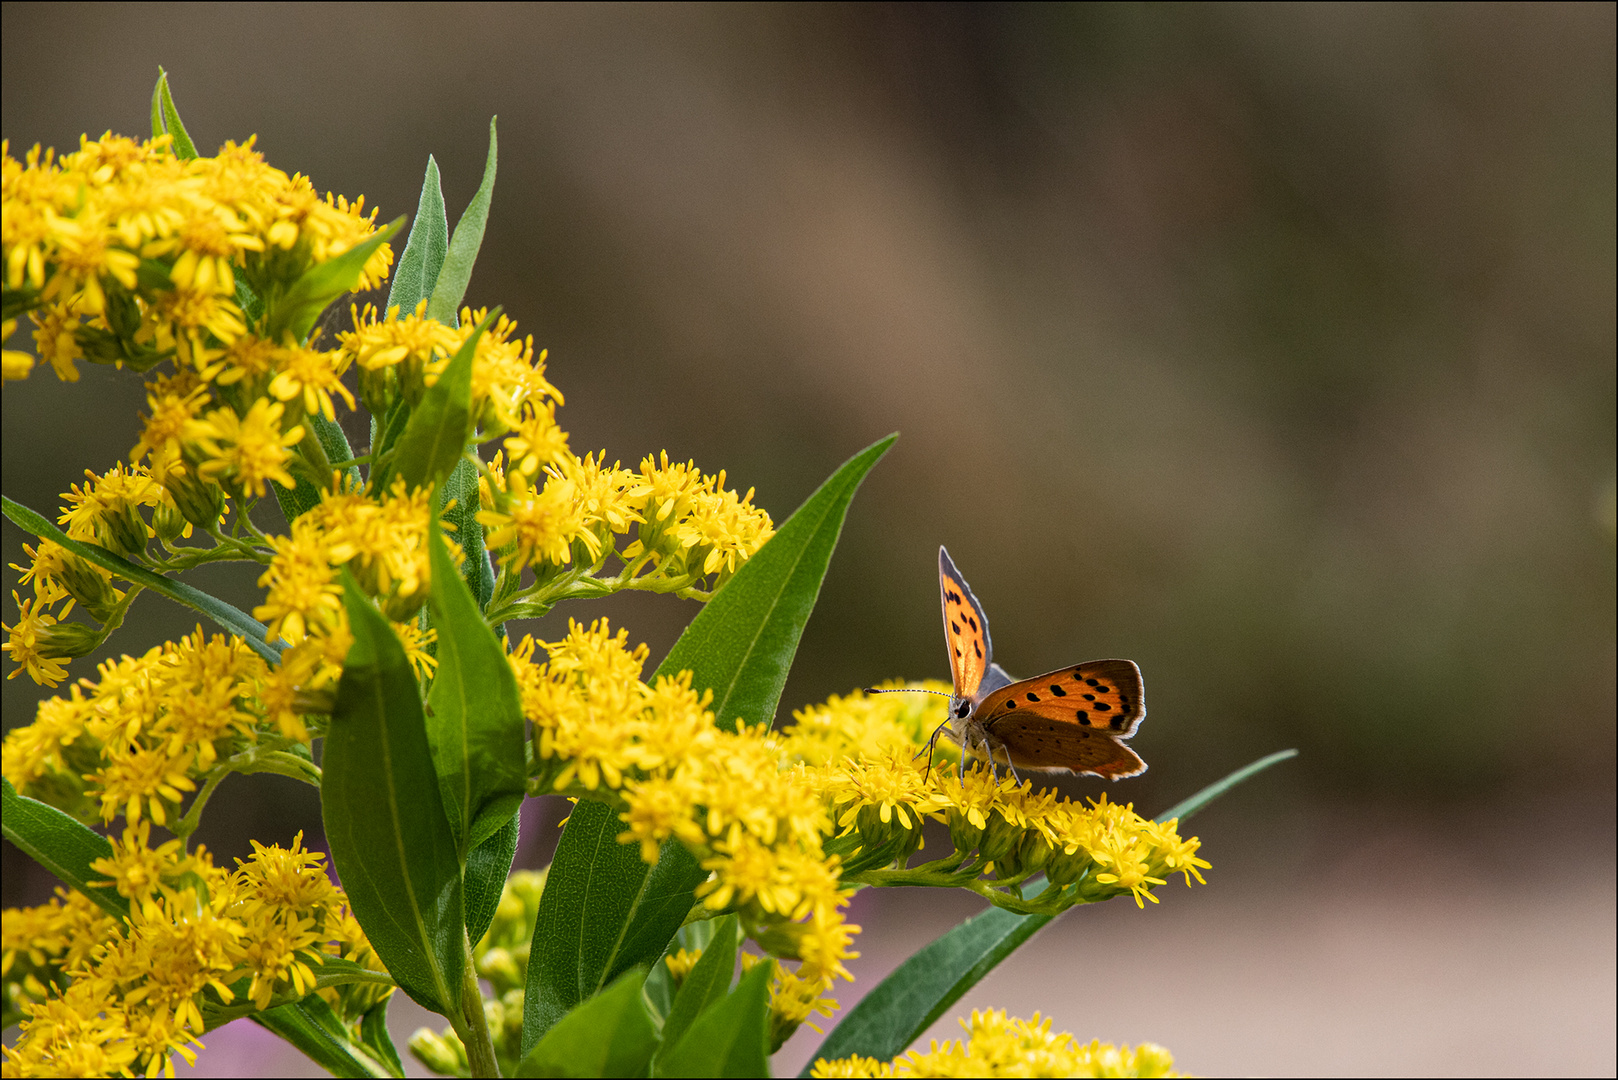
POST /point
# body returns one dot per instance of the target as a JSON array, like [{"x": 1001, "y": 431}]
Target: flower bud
[
  {"x": 168, "y": 522},
  {"x": 500, "y": 968},
  {"x": 1000, "y": 839},
  {"x": 962, "y": 833},
  {"x": 443, "y": 1054},
  {"x": 122, "y": 530},
  {"x": 402, "y": 607},
  {"x": 1065, "y": 869},
  {"x": 65, "y": 640},
  {"x": 89, "y": 586},
  {"x": 201, "y": 502}
]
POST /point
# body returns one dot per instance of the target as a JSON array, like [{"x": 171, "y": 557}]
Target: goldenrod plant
[{"x": 704, "y": 838}]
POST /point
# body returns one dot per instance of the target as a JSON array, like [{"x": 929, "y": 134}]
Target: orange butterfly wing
[
  {"x": 966, "y": 629},
  {"x": 1075, "y": 718}
]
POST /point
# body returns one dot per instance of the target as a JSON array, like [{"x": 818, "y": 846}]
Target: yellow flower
[
  {"x": 31, "y": 751},
  {"x": 250, "y": 451},
  {"x": 539, "y": 526},
  {"x": 1001, "y": 1046},
  {"x": 56, "y": 339},
  {"x": 536, "y": 439},
  {"x": 25, "y": 643},
  {"x": 14, "y": 364},
  {"x": 303, "y": 593},
  {"x": 135, "y": 869},
  {"x": 175, "y": 401},
  {"x": 143, "y": 780},
  {"x": 312, "y": 375},
  {"x": 726, "y": 528}
]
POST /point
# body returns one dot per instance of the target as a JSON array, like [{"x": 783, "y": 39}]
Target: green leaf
[
  {"x": 312, "y": 1027},
  {"x": 166, "y": 118},
  {"x": 435, "y": 437},
  {"x": 233, "y": 619},
  {"x": 895, "y": 1012},
  {"x": 61, "y": 844},
  {"x": 1185, "y": 808},
  {"x": 390, "y": 841},
  {"x": 487, "y": 868},
  {"x": 384, "y": 437},
  {"x": 474, "y": 714},
  {"x": 414, "y": 277},
  {"x": 462, "y": 486},
  {"x": 456, "y": 273},
  {"x": 731, "y": 1038},
  {"x": 604, "y": 910},
  {"x": 305, "y": 497},
  {"x": 707, "y": 983},
  {"x": 742, "y": 643},
  {"x": 609, "y": 1035},
  {"x": 294, "y": 314},
  {"x": 375, "y": 1038}
]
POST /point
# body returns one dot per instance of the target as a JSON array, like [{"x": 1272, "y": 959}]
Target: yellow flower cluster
[
  {"x": 123, "y": 252},
  {"x": 102, "y": 996},
  {"x": 1001, "y": 1046},
  {"x": 861, "y": 757},
  {"x": 786, "y": 822},
  {"x": 154, "y": 726},
  {"x": 383, "y": 542},
  {"x": 401, "y": 354},
  {"x": 691, "y": 533},
  {"x": 755, "y": 827}
]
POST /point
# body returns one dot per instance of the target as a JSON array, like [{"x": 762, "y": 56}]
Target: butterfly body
[{"x": 1072, "y": 719}]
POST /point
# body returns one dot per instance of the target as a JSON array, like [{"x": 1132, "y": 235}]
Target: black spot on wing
[{"x": 1057, "y": 690}]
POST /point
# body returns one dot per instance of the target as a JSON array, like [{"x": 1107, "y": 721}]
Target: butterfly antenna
[{"x": 937, "y": 731}]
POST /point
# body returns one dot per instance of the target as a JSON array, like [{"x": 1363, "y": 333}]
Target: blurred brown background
[{"x": 1270, "y": 346}]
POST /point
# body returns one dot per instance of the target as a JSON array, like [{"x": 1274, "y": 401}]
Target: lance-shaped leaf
[
  {"x": 314, "y": 1028},
  {"x": 305, "y": 496},
  {"x": 896, "y": 1011},
  {"x": 731, "y": 1037},
  {"x": 414, "y": 277},
  {"x": 230, "y": 618},
  {"x": 604, "y": 910},
  {"x": 61, "y": 844},
  {"x": 705, "y": 984},
  {"x": 1186, "y": 807},
  {"x": 166, "y": 119},
  {"x": 905, "y": 1004},
  {"x": 295, "y": 312},
  {"x": 474, "y": 714},
  {"x": 487, "y": 868},
  {"x": 456, "y": 272},
  {"x": 610, "y": 1035},
  {"x": 462, "y": 489},
  {"x": 436, "y": 435},
  {"x": 374, "y": 1036},
  {"x": 390, "y": 840}
]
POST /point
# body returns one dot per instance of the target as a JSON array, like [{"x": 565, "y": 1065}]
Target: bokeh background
[{"x": 1270, "y": 346}]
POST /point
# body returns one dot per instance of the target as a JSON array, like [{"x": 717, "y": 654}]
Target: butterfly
[{"x": 1075, "y": 718}]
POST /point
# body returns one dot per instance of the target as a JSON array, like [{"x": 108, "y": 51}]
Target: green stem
[
  {"x": 282, "y": 763},
  {"x": 315, "y": 456},
  {"x": 116, "y": 618},
  {"x": 470, "y": 1021},
  {"x": 193, "y": 816}
]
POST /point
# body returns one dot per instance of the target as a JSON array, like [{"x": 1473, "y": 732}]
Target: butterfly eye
[{"x": 962, "y": 709}]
